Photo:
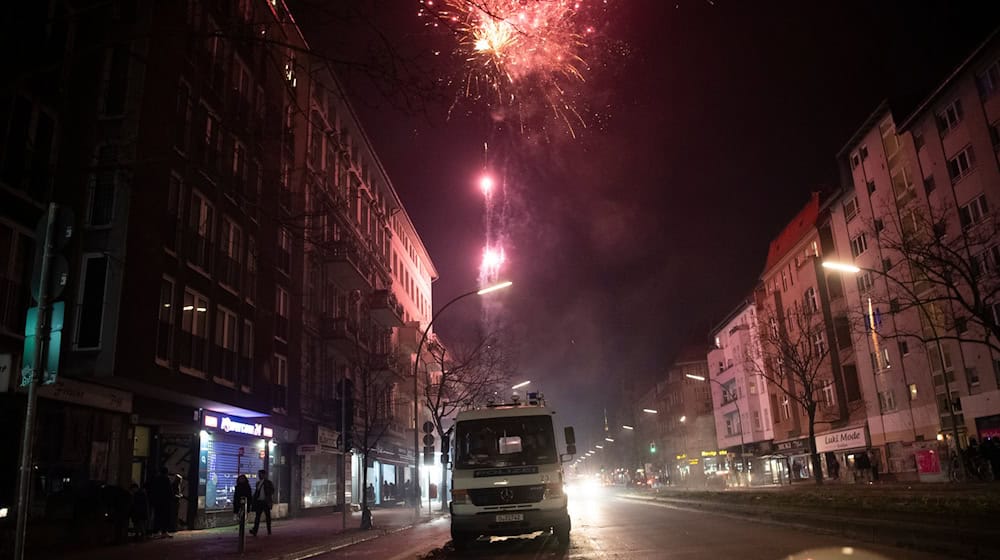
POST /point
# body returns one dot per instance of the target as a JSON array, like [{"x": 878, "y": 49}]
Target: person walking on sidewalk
[
  {"x": 242, "y": 496},
  {"x": 140, "y": 512},
  {"x": 263, "y": 498}
]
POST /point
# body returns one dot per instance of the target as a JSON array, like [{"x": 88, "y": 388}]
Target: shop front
[
  {"x": 789, "y": 463},
  {"x": 322, "y": 465},
  {"x": 229, "y": 446},
  {"x": 841, "y": 452},
  {"x": 390, "y": 469}
]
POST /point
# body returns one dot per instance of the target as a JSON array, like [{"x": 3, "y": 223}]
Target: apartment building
[
  {"x": 807, "y": 354},
  {"x": 231, "y": 277},
  {"x": 685, "y": 418},
  {"x": 926, "y": 176},
  {"x": 739, "y": 395}
]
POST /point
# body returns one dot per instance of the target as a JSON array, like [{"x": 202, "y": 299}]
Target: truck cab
[{"x": 507, "y": 475}]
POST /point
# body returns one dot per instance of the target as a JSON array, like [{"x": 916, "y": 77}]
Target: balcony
[
  {"x": 344, "y": 335},
  {"x": 347, "y": 266},
  {"x": 386, "y": 309}
]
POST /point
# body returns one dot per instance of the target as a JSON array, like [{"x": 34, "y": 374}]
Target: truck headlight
[
  {"x": 460, "y": 497},
  {"x": 553, "y": 490}
]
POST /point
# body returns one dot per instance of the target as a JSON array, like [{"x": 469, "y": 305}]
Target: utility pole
[{"x": 30, "y": 375}]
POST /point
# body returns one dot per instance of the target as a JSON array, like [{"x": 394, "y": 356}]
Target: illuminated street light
[
  {"x": 684, "y": 418},
  {"x": 627, "y": 427},
  {"x": 493, "y": 288},
  {"x": 650, "y": 411},
  {"x": 599, "y": 446},
  {"x": 416, "y": 393},
  {"x": 521, "y": 384},
  {"x": 841, "y": 267},
  {"x": 610, "y": 439}
]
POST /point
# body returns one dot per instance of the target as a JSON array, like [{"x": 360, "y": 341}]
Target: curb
[{"x": 936, "y": 538}]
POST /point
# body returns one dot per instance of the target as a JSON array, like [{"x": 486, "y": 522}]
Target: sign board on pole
[{"x": 50, "y": 364}]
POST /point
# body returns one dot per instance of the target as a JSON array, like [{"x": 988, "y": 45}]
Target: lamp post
[
  {"x": 854, "y": 269},
  {"x": 416, "y": 391},
  {"x": 736, "y": 401}
]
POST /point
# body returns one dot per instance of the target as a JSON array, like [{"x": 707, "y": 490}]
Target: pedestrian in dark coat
[
  {"x": 140, "y": 511},
  {"x": 263, "y": 499},
  {"x": 242, "y": 495},
  {"x": 161, "y": 496}
]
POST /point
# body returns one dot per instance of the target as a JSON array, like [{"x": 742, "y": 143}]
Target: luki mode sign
[{"x": 851, "y": 438}]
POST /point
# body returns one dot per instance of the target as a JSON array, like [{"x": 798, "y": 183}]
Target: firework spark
[
  {"x": 519, "y": 50},
  {"x": 493, "y": 259}
]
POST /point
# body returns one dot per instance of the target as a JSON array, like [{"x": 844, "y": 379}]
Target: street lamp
[
  {"x": 627, "y": 427},
  {"x": 521, "y": 384},
  {"x": 727, "y": 392},
  {"x": 650, "y": 411},
  {"x": 609, "y": 439},
  {"x": 852, "y": 269},
  {"x": 416, "y": 393}
]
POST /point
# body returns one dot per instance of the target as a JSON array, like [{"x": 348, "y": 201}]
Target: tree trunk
[
  {"x": 817, "y": 465},
  {"x": 366, "y": 514}
]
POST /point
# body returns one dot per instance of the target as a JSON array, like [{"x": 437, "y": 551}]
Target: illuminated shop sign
[{"x": 234, "y": 425}]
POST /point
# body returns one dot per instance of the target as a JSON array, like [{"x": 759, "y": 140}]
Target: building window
[
  {"x": 246, "y": 355},
  {"x": 115, "y": 81},
  {"x": 972, "y": 376},
  {"x": 855, "y": 160},
  {"x": 201, "y": 219},
  {"x": 819, "y": 342},
  {"x": 988, "y": 82},
  {"x": 961, "y": 164},
  {"x": 880, "y": 359},
  {"x": 226, "y": 325},
  {"x": 250, "y": 286},
  {"x": 974, "y": 211},
  {"x": 949, "y": 118},
  {"x": 733, "y": 424},
  {"x": 904, "y": 348},
  {"x": 279, "y": 392},
  {"x": 912, "y": 387},
  {"x": 829, "y": 395},
  {"x": 182, "y": 117},
  {"x": 887, "y": 401},
  {"x": 104, "y": 180},
  {"x": 281, "y": 306},
  {"x": 165, "y": 323},
  {"x": 90, "y": 318},
  {"x": 809, "y": 301},
  {"x": 851, "y": 208},
  {"x": 859, "y": 245},
  {"x": 172, "y": 216},
  {"x": 231, "y": 239},
  {"x": 193, "y": 339},
  {"x": 756, "y": 420},
  {"x": 865, "y": 281},
  {"x": 902, "y": 183},
  {"x": 284, "y": 250},
  {"x": 786, "y": 408},
  {"x": 15, "y": 256}
]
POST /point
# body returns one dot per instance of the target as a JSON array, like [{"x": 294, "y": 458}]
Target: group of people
[
  {"x": 158, "y": 502},
  {"x": 259, "y": 499},
  {"x": 390, "y": 493}
]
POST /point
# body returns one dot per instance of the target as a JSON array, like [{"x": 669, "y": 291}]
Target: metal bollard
[{"x": 243, "y": 524}]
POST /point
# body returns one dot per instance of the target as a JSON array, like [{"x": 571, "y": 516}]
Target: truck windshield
[{"x": 505, "y": 441}]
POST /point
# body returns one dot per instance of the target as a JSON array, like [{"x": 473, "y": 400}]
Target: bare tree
[
  {"x": 464, "y": 374},
  {"x": 371, "y": 392},
  {"x": 945, "y": 265},
  {"x": 792, "y": 354}
]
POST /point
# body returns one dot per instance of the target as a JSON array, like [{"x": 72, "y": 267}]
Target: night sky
[{"x": 636, "y": 237}]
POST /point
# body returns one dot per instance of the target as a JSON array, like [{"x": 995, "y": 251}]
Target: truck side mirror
[{"x": 570, "y": 440}]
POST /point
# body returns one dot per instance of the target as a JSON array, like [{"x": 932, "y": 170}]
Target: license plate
[{"x": 508, "y": 517}]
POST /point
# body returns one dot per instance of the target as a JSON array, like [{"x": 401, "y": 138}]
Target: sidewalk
[{"x": 292, "y": 539}]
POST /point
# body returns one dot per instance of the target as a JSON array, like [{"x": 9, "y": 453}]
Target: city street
[{"x": 610, "y": 526}]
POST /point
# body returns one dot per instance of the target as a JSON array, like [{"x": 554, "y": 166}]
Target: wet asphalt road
[{"x": 609, "y": 526}]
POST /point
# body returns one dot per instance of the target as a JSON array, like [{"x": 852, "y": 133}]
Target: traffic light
[
  {"x": 652, "y": 447},
  {"x": 428, "y": 443}
]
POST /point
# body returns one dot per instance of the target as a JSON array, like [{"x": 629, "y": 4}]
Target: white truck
[{"x": 507, "y": 475}]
